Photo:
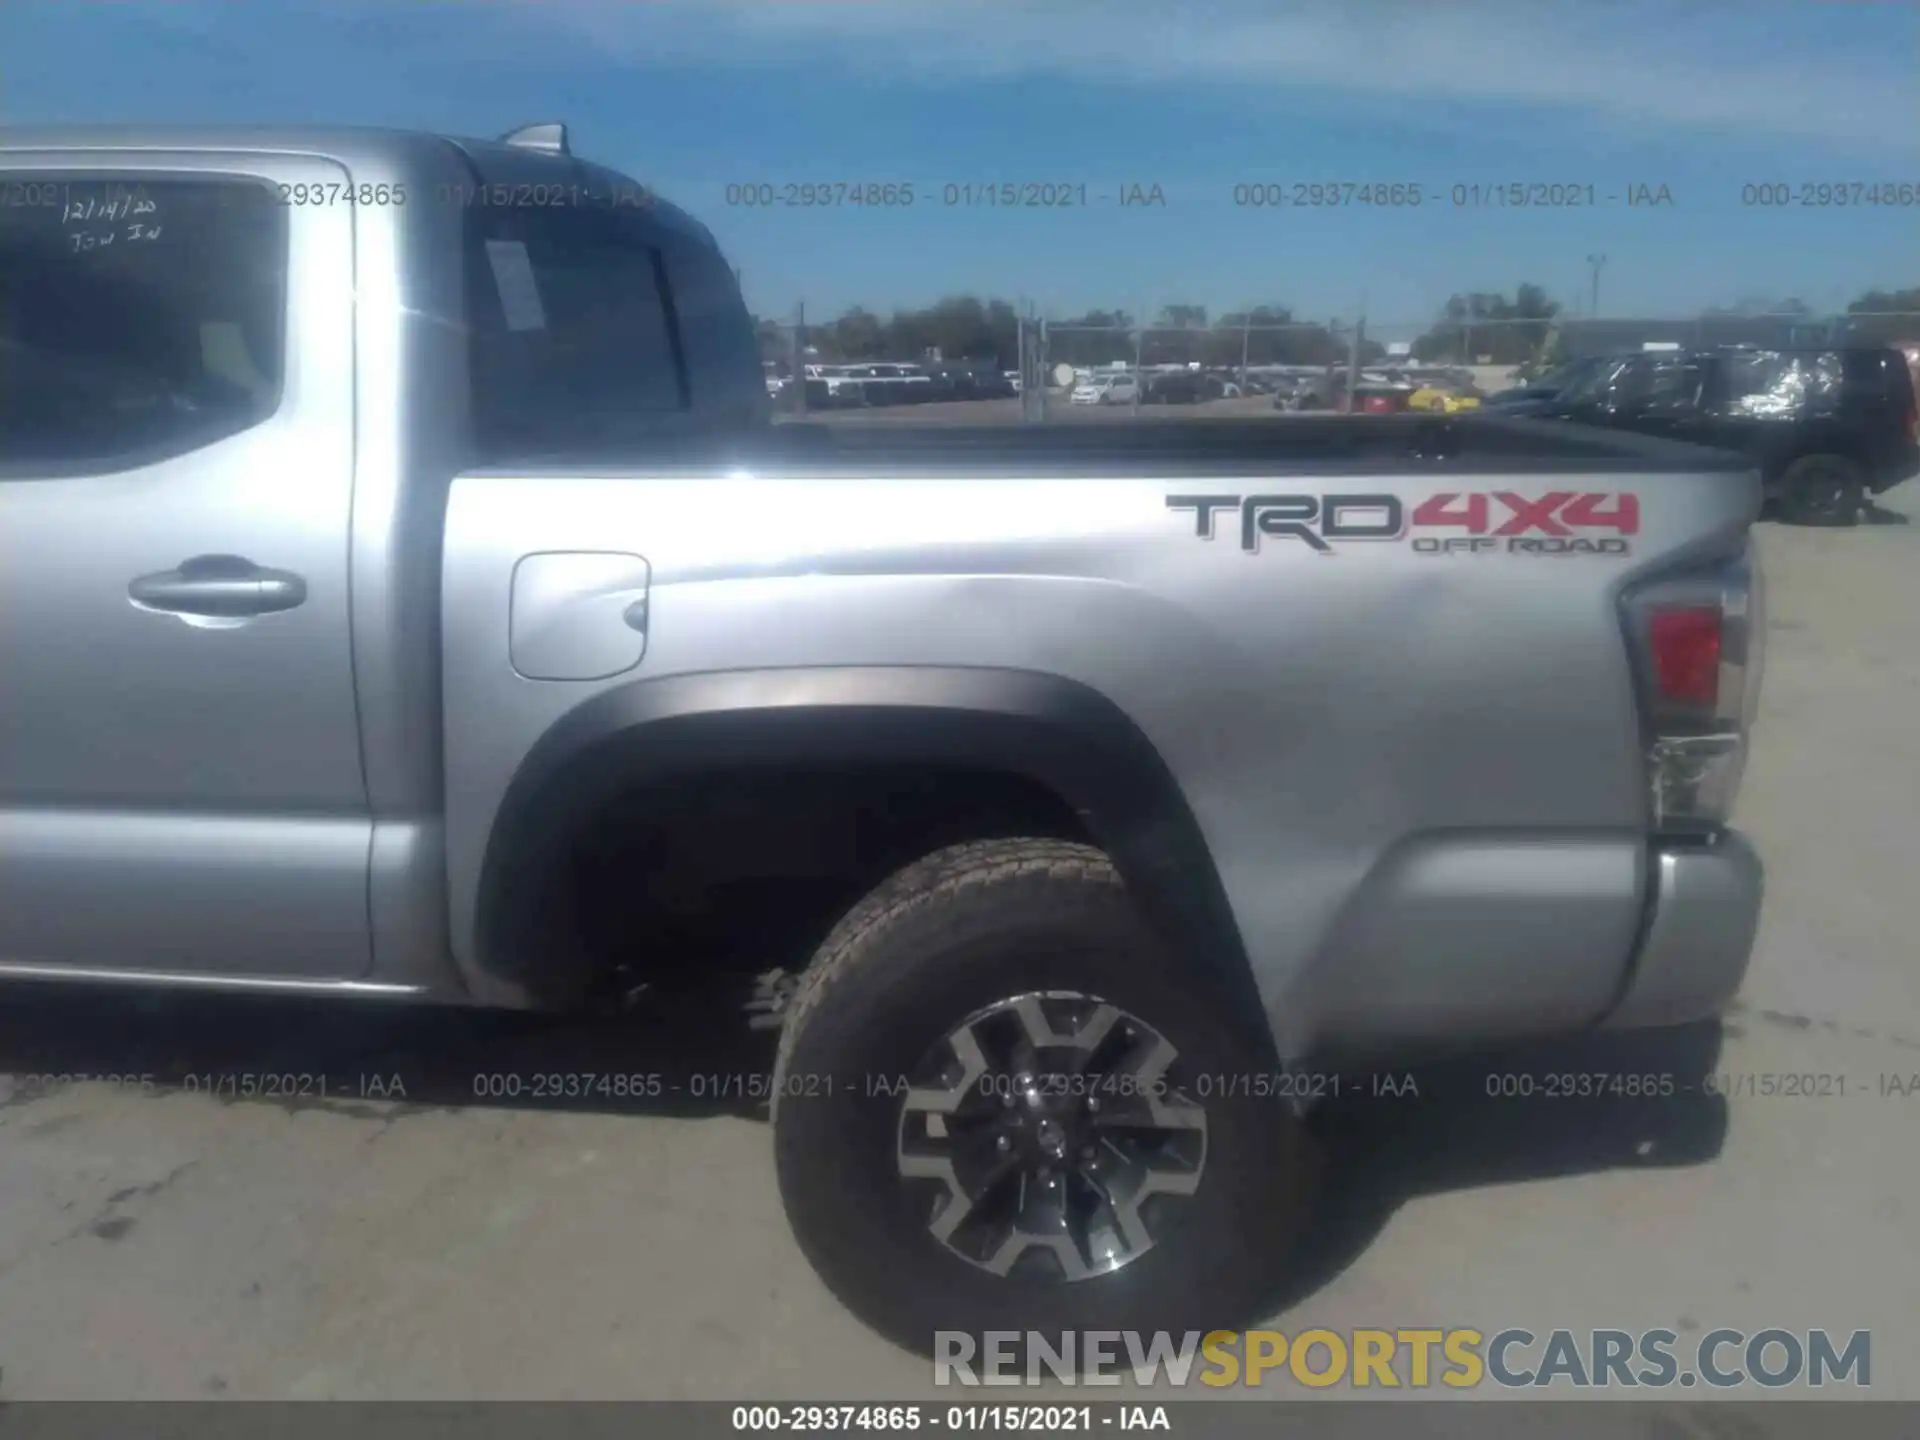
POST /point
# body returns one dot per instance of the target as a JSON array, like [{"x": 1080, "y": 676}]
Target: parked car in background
[
  {"x": 891, "y": 383},
  {"x": 1377, "y": 393},
  {"x": 839, "y": 388},
  {"x": 1105, "y": 390},
  {"x": 1443, "y": 397},
  {"x": 1305, "y": 392},
  {"x": 961, "y": 382},
  {"x": 1379, "y": 399},
  {"x": 1178, "y": 387},
  {"x": 1826, "y": 427}
]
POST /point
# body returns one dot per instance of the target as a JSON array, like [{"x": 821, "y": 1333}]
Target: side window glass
[
  {"x": 1770, "y": 385},
  {"x": 1595, "y": 385},
  {"x": 140, "y": 318},
  {"x": 1630, "y": 383},
  {"x": 1672, "y": 386},
  {"x": 573, "y": 342}
]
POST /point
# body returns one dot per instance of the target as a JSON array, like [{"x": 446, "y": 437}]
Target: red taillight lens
[
  {"x": 1685, "y": 645},
  {"x": 1698, "y": 637}
]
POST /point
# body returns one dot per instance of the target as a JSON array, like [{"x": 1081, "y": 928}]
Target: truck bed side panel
[{"x": 1416, "y": 771}]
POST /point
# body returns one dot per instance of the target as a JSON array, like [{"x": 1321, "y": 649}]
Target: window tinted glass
[
  {"x": 573, "y": 342},
  {"x": 1760, "y": 373},
  {"x": 1643, "y": 380},
  {"x": 722, "y": 348},
  {"x": 1768, "y": 383},
  {"x": 1592, "y": 383},
  {"x": 139, "y": 318},
  {"x": 1631, "y": 382},
  {"x": 1666, "y": 382},
  {"x": 1878, "y": 374}
]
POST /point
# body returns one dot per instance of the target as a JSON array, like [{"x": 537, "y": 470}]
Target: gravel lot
[{"x": 182, "y": 1246}]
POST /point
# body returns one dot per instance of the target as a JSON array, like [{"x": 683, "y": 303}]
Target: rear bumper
[
  {"x": 1462, "y": 940},
  {"x": 1701, "y": 918}
]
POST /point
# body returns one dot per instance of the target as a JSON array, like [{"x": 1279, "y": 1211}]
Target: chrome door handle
[{"x": 224, "y": 587}]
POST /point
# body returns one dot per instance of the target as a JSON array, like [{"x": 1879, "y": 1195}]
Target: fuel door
[{"x": 578, "y": 614}]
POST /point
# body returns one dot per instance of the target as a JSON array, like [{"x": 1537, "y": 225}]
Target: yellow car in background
[{"x": 1450, "y": 402}]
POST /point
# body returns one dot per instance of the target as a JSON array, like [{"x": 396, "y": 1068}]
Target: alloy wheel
[{"x": 1053, "y": 1135}]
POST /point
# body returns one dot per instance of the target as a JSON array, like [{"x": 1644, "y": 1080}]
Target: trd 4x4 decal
[
  {"x": 1314, "y": 520},
  {"x": 1450, "y": 523}
]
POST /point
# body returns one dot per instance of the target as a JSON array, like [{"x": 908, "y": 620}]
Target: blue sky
[{"x": 1195, "y": 96}]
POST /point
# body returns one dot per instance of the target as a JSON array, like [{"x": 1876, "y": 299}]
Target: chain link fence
[{"x": 1040, "y": 369}]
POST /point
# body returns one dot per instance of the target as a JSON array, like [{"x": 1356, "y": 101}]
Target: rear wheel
[
  {"x": 1823, "y": 490},
  {"x": 1000, "y": 1105}
]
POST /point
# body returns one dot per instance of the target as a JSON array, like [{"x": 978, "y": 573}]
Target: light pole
[
  {"x": 1139, "y": 358},
  {"x": 1593, "y": 301}
]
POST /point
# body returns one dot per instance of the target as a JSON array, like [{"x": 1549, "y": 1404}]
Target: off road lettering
[{"x": 1574, "y": 545}]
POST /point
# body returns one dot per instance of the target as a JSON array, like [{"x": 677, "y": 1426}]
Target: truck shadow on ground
[
  {"x": 1552, "y": 1110},
  {"x": 1578, "y": 1105}
]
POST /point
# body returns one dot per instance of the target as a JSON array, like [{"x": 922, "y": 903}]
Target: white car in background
[
  {"x": 843, "y": 387},
  {"x": 1105, "y": 390}
]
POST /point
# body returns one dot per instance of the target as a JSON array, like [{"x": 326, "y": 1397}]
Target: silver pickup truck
[{"x": 403, "y": 594}]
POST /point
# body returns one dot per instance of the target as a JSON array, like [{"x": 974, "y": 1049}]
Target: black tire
[
  {"x": 1823, "y": 490},
  {"x": 945, "y": 938}
]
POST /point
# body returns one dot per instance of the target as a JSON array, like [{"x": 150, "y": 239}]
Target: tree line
[{"x": 1474, "y": 327}]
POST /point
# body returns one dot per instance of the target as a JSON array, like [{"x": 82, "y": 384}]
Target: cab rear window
[{"x": 575, "y": 350}]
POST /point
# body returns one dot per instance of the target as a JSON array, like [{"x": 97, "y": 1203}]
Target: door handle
[{"x": 224, "y": 587}]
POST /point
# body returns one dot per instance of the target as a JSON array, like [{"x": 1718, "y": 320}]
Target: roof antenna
[{"x": 549, "y": 136}]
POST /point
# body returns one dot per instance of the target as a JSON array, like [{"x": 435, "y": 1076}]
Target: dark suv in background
[
  {"x": 1826, "y": 427},
  {"x": 1177, "y": 387}
]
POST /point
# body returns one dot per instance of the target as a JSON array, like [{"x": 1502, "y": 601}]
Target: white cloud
[{"x": 1701, "y": 66}]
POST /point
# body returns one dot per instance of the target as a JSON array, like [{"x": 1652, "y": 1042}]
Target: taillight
[
  {"x": 1685, "y": 648},
  {"x": 1911, "y": 389},
  {"x": 1698, "y": 642}
]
